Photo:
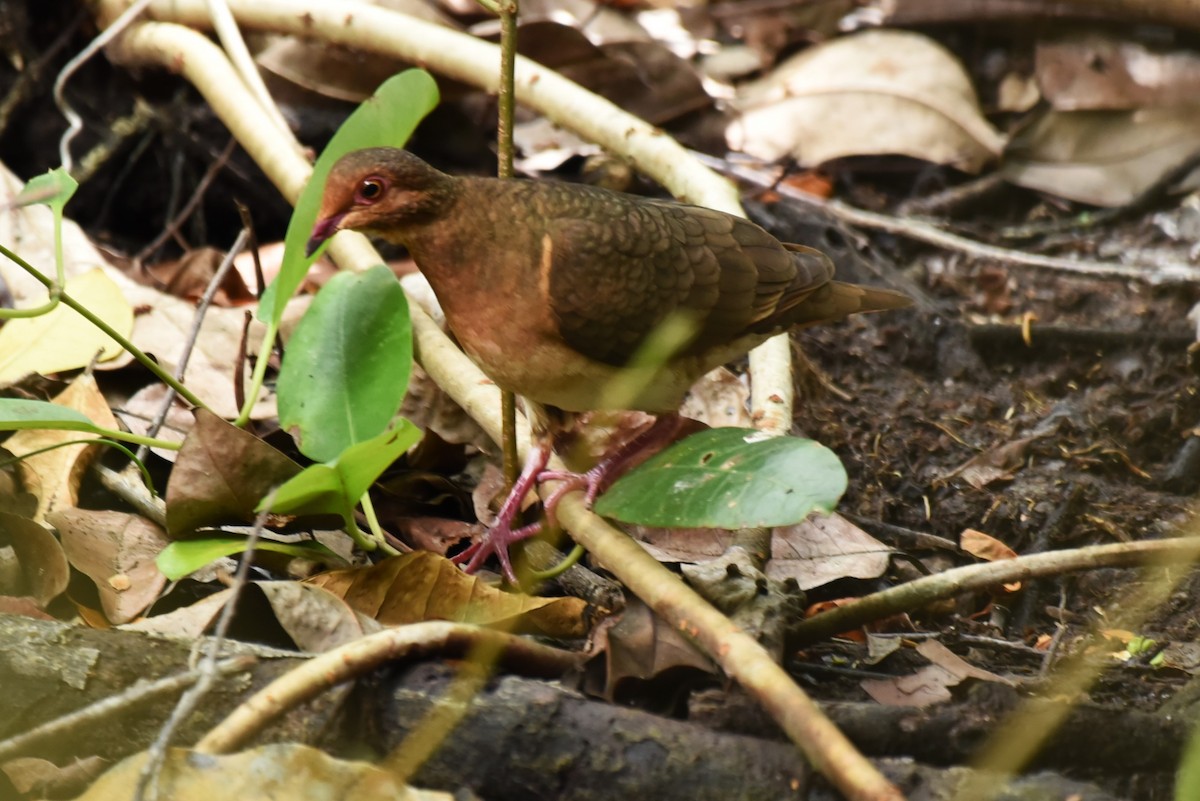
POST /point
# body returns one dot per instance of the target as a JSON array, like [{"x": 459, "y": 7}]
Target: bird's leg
[
  {"x": 662, "y": 432},
  {"x": 497, "y": 539}
]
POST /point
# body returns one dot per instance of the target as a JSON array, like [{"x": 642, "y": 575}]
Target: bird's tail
[{"x": 833, "y": 300}]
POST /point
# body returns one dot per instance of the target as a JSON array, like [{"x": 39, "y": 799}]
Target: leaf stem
[{"x": 507, "y": 10}]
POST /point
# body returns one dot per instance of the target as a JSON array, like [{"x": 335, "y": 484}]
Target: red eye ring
[{"x": 370, "y": 190}]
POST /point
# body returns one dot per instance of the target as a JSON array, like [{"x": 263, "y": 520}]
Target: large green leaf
[
  {"x": 728, "y": 478},
  {"x": 386, "y": 118},
  {"x": 347, "y": 364}
]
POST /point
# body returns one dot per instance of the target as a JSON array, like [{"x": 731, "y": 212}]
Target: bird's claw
[{"x": 496, "y": 540}]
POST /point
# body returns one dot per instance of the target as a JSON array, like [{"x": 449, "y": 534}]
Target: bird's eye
[{"x": 370, "y": 190}]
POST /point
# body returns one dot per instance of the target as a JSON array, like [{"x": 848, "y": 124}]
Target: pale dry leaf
[
  {"x": 315, "y": 619},
  {"x": 54, "y": 475},
  {"x": 62, "y": 339},
  {"x": 1096, "y": 70},
  {"x": 265, "y": 773},
  {"x": 186, "y": 621},
  {"x": 930, "y": 684},
  {"x": 163, "y": 330},
  {"x": 984, "y": 546},
  {"x": 720, "y": 399},
  {"x": 140, "y": 410},
  {"x": 1000, "y": 463},
  {"x": 820, "y": 550},
  {"x": 823, "y": 549},
  {"x": 116, "y": 550},
  {"x": 873, "y": 93},
  {"x": 1105, "y": 158}
]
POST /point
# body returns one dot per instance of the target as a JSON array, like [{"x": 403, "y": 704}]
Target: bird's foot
[
  {"x": 665, "y": 430},
  {"x": 497, "y": 539}
]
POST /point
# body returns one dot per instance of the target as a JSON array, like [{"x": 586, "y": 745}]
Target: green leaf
[
  {"x": 184, "y": 557},
  {"x": 17, "y": 414},
  {"x": 53, "y": 189},
  {"x": 386, "y": 118},
  {"x": 728, "y": 478},
  {"x": 335, "y": 487},
  {"x": 347, "y": 364}
]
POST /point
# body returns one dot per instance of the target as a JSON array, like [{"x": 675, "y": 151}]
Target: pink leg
[
  {"x": 500, "y": 536},
  {"x": 665, "y": 430}
]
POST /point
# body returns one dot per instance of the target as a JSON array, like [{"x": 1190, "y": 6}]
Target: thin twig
[
  {"x": 511, "y": 462},
  {"x": 74, "y": 121},
  {"x": 1155, "y": 274},
  {"x": 951, "y": 583},
  {"x": 189, "y": 344},
  {"x": 156, "y": 754}
]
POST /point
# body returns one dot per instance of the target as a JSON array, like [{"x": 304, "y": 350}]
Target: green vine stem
[
  {"x": 507, "y": 9},
  {"x": 95, "y": 441}
]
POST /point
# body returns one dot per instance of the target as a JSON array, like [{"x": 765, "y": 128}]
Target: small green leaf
[
  {"x": 386, "y": 118},
  {"x": 335, "y": 487},
  {"x": 17, "y": 414},
  {"x": 347, "y": 364},
  {"x": 53, "y": 189},
  {"x": 728, "y": 478},
  {"x": 184, "y": 557}
]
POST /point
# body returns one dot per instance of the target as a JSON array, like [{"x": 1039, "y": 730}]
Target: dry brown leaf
[
  {"x": 220, "y": 475},
  {"x": 116, "y": 550},
  {"x": 984, "y": 546},
  {"x": 930, "y": 684},
  {"x": 1106, "y": 158},
  {"x": 819, "y": 550},
  {"x": 54, "y": 475},
  {"x": 39, "y": 560},
  {"x": 640, "y": 647},
  {"x": 423, "y": 586},
  {"x": 188, "y": 277},
  {"x": 997, "y": 464},
  {"x": 825, "y": 548},
  {"x": 315, "y": 619},
  {"x": 873, "y": 93}
]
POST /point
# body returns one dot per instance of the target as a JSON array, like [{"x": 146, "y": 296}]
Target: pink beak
[{"x": 322, "y": 231}]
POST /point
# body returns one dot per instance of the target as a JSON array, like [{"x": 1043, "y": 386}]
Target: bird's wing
[{"x": 624, "y": 267}]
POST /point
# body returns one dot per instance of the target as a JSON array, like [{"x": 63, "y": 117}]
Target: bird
[{"x": 554, "y": 288}]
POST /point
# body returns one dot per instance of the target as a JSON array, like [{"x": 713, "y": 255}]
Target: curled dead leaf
[{"x": 873, "y": 93}]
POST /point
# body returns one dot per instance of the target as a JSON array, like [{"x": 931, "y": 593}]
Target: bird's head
[{"x": 382, "y": 190}]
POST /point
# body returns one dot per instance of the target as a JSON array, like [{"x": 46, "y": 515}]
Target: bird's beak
[{"x": 321, "y": 231}]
